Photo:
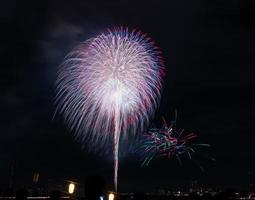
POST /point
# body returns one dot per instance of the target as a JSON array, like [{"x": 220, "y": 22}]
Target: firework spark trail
[
  {"x": 116, "y": 148},
  {"x": 167, "y": 142},
  {"x": 108, "y": 86}
]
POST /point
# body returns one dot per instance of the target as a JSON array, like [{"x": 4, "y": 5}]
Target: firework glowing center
[
  {"x": 117, "y": 96},
  {"x": 110, "y": 86}
]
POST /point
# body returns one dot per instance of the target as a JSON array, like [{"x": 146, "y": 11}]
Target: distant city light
[
  {"x": 111, "y": 196},
  {"x": 71, "y": 188},
  {"x": 35, "y": 177}
]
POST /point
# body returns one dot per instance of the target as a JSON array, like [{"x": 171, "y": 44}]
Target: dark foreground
[{"x": 23, "y": 194}]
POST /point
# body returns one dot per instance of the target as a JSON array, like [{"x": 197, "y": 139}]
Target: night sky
[{"x": 208, "y": 50}]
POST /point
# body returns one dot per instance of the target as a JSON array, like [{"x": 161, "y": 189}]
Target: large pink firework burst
[{"x": 110, "y": 86}]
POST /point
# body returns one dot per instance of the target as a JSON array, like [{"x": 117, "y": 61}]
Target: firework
[
  {"x": 108, "y": 86},
  {"x": 167, "y": 142}
]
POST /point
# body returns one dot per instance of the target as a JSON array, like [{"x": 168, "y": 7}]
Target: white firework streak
[{"x": 110, "y": 85}]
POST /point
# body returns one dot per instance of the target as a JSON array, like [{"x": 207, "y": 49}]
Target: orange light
[
  {"x": 71, "y": 188},
  {"x": 111, "y": 196}
]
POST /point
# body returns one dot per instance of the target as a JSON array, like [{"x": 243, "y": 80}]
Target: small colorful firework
[{"x": 168, "y": 142}]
